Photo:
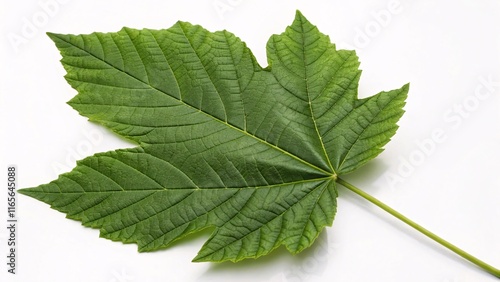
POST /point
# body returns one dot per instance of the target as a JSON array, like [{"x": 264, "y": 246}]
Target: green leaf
[{"x": 252, "y": 152}]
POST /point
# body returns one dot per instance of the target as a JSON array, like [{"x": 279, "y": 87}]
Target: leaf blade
[{"x": 223, "y": 142}]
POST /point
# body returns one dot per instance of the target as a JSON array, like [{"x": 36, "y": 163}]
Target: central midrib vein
[{"x": 334, "y": 174}]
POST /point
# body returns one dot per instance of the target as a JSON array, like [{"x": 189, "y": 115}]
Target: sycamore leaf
[{"x": 222, "y": 142}]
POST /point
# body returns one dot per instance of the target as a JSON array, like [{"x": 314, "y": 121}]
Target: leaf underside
[{"x": 222, "y": 142}]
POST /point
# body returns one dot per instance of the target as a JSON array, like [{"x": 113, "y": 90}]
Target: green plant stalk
[{"x": 455, "y": 249}]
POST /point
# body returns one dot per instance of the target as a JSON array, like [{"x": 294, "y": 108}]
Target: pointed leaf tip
[
  {"x": 53, "y": 36},
  {"x": 300, "y": 17},
  {"x": 24, "y": 191}
]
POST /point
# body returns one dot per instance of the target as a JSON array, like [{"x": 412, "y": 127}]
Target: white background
[{"x": 449, "y": 184}]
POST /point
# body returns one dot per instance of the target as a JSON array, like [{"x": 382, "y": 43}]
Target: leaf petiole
[{"x": 455, "y": 249}]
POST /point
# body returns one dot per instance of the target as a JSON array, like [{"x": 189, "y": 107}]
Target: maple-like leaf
[{"x": 253, "y": 152}]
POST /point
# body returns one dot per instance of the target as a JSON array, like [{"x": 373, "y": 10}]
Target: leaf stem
[{"x": 455, "y": 249}]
